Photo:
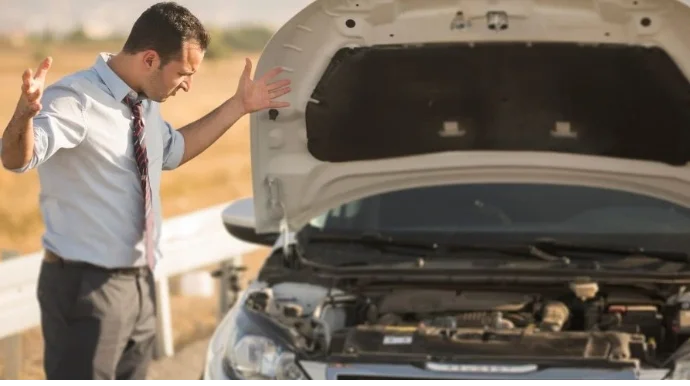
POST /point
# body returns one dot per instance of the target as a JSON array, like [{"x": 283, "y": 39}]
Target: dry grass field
[{"x": 222, "y": 173}]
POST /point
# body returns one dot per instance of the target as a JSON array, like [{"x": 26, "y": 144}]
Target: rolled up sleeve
[
  {"x": 61, "y": 124},
  {"x": 173, "y": 147}
]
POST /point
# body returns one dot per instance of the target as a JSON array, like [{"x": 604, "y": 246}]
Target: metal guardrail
[{"x": 189, "y": 242}]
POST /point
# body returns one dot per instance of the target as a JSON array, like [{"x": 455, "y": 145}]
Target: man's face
[{"x": 175, "y": 75}]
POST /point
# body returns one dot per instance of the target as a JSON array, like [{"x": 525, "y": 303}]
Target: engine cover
[{"x": 411, "y": 344}]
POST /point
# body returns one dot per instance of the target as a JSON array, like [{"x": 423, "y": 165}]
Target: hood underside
[{"x": 391, "y": 94}]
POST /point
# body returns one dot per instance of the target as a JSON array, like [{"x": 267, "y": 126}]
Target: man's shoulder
[{"x": 79, "y": 83}]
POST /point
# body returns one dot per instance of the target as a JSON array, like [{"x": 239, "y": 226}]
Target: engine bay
[{"x": 576, "y": 324}]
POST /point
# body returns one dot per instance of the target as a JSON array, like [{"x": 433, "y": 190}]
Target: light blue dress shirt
[{"x": 91, "y": 199}]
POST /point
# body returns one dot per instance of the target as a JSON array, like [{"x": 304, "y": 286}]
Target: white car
[{"x": 470, "y": 189}]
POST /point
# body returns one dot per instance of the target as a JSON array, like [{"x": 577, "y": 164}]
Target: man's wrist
[
  {"x": 235, "y": 107},
  {"x": 17, "y": 125}
]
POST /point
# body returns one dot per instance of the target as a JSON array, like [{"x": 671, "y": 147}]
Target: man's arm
[
  {"x": 17, "y": 142},
  {"x": 202, "y": 133},
  {"x": 18, "y": 137},
  {"x": 250, "y": 96},
  {"x": 60, "y": 124}
]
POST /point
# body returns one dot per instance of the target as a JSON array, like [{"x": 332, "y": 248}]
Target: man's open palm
[
  {"x": 32, "y": 89},
  {"x": 261, "y": 94}
]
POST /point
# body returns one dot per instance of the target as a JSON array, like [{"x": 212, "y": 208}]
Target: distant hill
[{"x": 117, "y": 16}]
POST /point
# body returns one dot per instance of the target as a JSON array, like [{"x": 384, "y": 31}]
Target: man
[{"x": 100, "y": 144}]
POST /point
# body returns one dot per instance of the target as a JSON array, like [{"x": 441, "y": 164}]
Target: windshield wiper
[
  {"x": 516, "y": 250},
  {"x": 427, "y": 249},
  {"x": 372, "y": 239},
  {"x": 553, "y": 245}
]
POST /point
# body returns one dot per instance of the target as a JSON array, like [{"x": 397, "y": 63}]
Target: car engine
[{"x": 581, "y": 323}]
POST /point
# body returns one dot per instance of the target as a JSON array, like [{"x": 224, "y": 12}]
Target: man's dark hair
[{"x": 164, "y": 27}]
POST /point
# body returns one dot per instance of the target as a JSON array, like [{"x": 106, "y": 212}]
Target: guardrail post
[
  {"x": 229, "y": 286},
  {"x": 164, "y": 333},
  {"x": 12, "y": 347},
  {"x": 224, "y": 295}
]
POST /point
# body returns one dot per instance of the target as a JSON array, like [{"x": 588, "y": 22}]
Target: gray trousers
[{"x": 96, "y": 324}]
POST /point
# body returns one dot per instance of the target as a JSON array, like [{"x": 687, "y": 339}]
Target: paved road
[{"x": 186, "y": 364}]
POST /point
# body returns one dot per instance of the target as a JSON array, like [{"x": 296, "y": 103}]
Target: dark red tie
[{"x": 142, "y": 159}]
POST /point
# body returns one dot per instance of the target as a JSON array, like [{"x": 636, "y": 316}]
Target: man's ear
[{"x": 151, "y": 59}]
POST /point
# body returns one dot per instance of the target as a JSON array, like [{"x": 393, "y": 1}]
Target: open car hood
[{"x": 392, "y": 94}]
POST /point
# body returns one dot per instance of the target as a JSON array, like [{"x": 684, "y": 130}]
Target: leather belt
[{"x": 52, "y": 257}]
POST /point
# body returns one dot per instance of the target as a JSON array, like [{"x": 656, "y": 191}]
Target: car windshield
[{"x": 517, "y": 212}]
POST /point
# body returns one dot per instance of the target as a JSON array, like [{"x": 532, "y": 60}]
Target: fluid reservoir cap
[{"x": 584, "y": 290}]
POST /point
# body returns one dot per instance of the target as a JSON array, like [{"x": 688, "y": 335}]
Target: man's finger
[
  {"x": 33, "y": 94},
  {"x": 32, "y": 88},
  {"x": 36, "y": 107},
  {"x": 272, "y": 74},
  {"x": 247, "y": 68},
  {"x": 26, "y": 78},
  {"x": 280, "y": 92},
  {"x": 278, "y": 84},
  {"x": 43, "y": 68},
  {"x": 277, "y": 105}
]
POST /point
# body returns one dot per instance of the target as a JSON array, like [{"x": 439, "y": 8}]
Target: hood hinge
[
  {"x": 277, "y": 207},
  {"x": 275, "y": 204}
]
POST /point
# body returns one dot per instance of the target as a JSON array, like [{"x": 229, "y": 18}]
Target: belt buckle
[{"x": 135, "y": 271}]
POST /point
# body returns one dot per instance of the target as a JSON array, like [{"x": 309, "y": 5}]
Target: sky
[{"x": 118, "y": 15}]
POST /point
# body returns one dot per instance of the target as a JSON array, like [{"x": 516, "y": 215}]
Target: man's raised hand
[
  {"x": 32, "y": 89},
  {"x": 259, "y": 94}
]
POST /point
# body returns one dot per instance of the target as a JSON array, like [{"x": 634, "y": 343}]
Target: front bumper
[
  {"x": 322, "y": 371},
  {"x": 393, "y": 372}
]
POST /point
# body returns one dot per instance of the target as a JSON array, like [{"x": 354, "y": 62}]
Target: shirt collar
[{"x": 118, "y": 88}]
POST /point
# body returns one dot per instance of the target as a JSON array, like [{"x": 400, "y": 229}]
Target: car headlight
[{"x": 258, "y": 357}]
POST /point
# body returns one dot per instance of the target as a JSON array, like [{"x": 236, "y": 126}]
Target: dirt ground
[
  {"x": 222, "y": 173},
  {"x": 187, "y": 363}
]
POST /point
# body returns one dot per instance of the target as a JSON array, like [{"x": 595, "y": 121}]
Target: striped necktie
[{"x": 140, "y": 154}]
